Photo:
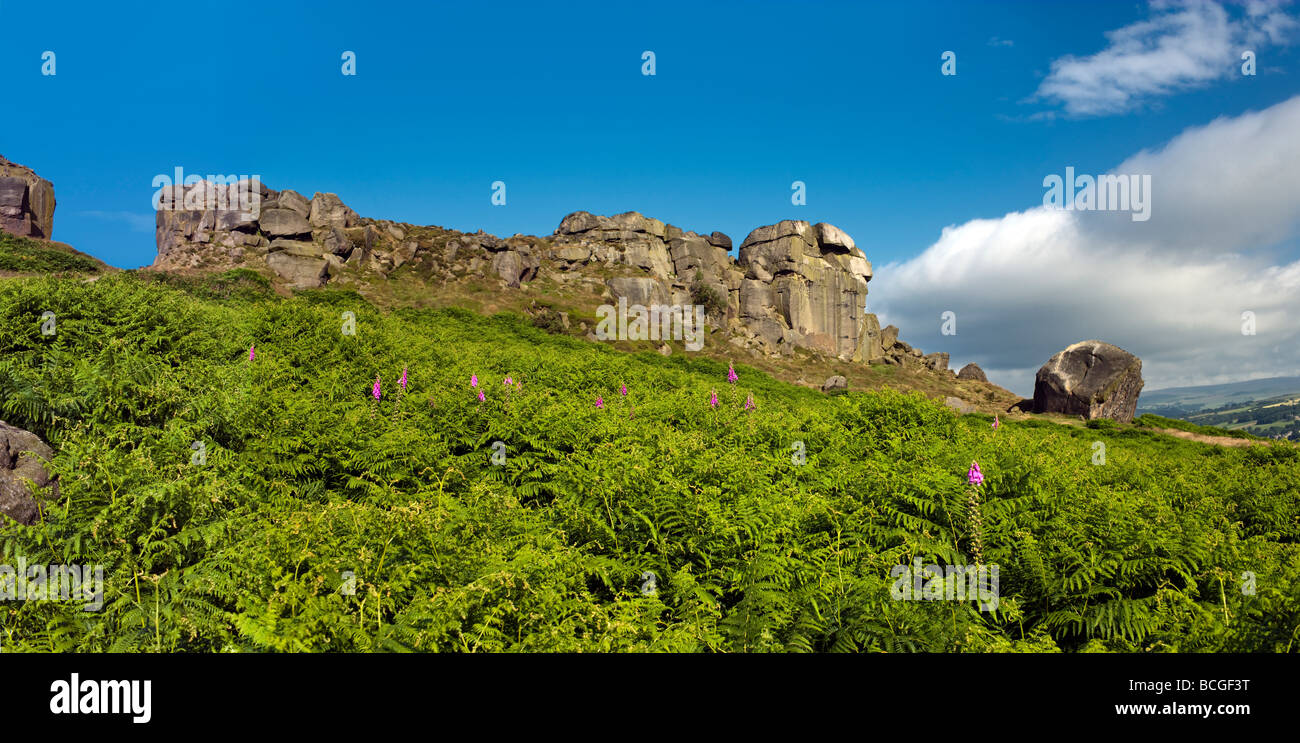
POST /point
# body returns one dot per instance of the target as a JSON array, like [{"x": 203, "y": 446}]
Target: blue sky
[{"x": 550, "y": 99}]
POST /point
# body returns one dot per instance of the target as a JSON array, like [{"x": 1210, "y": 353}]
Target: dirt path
[{"x": 1219, "y": 440}]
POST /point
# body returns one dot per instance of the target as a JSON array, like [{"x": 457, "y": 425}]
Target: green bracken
[{"x": 323, "y": 520}]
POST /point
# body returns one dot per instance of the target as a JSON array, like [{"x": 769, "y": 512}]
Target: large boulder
[
  {"x": 514, "y": 266},
  {"x": 284, "y": 222},
  {"x": 26, "y": 201},
  {"x": 299, "y": 271},
  {"x": 23, "y": 477},
  {"x": 329, "y": 211},
  {"x": 835, "y": 383},
  {"x": 972, "y": 372},
  {"x": 638, "y": 290},
  {"x": 1092, "y": 379}
]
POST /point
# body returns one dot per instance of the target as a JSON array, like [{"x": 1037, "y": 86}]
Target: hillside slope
[
  {"x": 33, "y": 256},
  {"x": 319, "y": 517}
]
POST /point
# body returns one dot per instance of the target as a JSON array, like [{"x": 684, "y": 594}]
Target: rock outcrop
[
  {"x": 972, "y": 372},
  {"x": 224, "y": 225},
  {"x": 681, "y": 264},
  {"x": 937, "y": 361},
  {"x": 1092, "y": 379},
  {"x": 22, "y": 461},
  {"x": 26, "y": 202},
  {"x": 794, "y": 286},
  {"x": 805, "y": 286}
]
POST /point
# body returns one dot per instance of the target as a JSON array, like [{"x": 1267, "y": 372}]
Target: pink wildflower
[
  {"x": 374, "y": 391},
  {"x": 473, "y": 380},
  {"x": 600, "y": 403},
  {"x": 481, "y": 398},
  {"x": 251, "y": 353},
  {"x": 402, "y": 381},
  {"x": 731, "y": 373},
  {"x": 622, "y": 390},
  {"x": 713, "y": 398},
  {"x": 974, "y": 475}
]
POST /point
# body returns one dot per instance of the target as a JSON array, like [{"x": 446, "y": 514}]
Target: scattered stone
[
  {"x": 836, "y": 382},
  {"x": 961, "y": 406}
]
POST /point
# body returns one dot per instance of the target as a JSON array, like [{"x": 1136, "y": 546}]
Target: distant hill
[{"x": 1191, "y": 399}]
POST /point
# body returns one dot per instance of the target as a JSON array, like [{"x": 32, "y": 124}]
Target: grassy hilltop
[{"x": 322, "y": 519}]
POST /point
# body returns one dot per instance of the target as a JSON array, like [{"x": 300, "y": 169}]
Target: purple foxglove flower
[
  {"x": 600, "y": 403},
  {"x": 402, "y": 381},
  {"x": 251, "y": 352},
  {"x": 473, "y": 380},
  {"x": 731, "y": 373},
  {"x": 713, "y": 398},
  {"x": 622, "y": 390},
  {"x": 374, "y": 391},
  {"x": 974, "y": 475},
  {"x": 481, "y": 398}
]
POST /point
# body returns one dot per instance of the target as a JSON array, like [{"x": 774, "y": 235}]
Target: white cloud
[
  {"x": 1171, "y": 290},
  {"x": 1182, "y": 45}
]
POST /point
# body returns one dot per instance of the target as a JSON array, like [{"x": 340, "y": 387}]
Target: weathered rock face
[
  {"x": 22, "y": 458},
  {"x": 937, "y": 361},
  {"x": 673, "y": 258},
  {"x": 873, "y": 346},
  {"x": 810, "y": 282},
  {"x": 26, "y": 202},
  {"x": 1092, "y": 379},
  {"x": 309, "y": 242},
  {"x": 972, "y": 372},
  {"x": 795, "y": 286}
]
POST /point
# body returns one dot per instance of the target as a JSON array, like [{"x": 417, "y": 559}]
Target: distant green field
[
  {"x": 1156, "y": 421},
  {"x": 1181, "y": 401},
  {"x": 1271, "y": 417},
  {"x": 315, "y": 517}
]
